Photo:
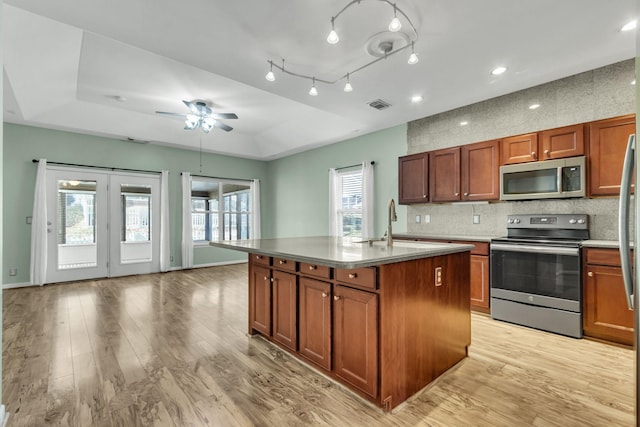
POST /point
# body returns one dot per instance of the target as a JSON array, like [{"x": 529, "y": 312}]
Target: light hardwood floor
[{"x": 172, "y": 349}]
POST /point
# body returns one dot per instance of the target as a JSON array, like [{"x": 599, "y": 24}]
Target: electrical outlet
[
  {"x": 13, "y": 271},
  {"x": 476, "y": 219},
  {"x": 438, "y": 276},
  {"x": 417, "y": 219},
  {"x": 427, "y": 219},
  {"x": 171, "y": 258},
  {"x": 29, "y": 220}
]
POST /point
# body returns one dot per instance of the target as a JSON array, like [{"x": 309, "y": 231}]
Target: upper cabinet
[
  {"x": 607, "y": 146},
  {"x": 480, "y": 171},
  {"x": 444, "y": 175},
  {"x": 413, "y": 179},
  {"x": 557, "y": 143}
]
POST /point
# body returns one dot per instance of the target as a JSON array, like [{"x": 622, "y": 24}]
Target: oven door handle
[
  {"x": 623, "y": 220},
  {"x": 548, "y": 250}
]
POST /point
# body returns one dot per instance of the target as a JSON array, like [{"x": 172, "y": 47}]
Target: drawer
[
  {"x": 284, "y": 264},
  {"x": 315, "y": 270},
  {"x": 361, "y": 277},
  {"x": 603, "y": 257},
  {"x": 260, "y": 259}
]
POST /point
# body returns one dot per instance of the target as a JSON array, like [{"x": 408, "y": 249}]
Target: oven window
[{"x": 536, "y": 273}]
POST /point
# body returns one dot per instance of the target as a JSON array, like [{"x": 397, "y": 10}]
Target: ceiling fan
[{"x": 201, "y": 116}]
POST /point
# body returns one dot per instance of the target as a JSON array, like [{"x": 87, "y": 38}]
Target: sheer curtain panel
[
  {"x": 255, "y": 189},
  {"x": 367, "y": 201},
  {"x": 187, "y": 237},
  {"x": 38, "y": 267},
  {"x": 334, "y": 192},
  {"x": 165, "y": 245}
]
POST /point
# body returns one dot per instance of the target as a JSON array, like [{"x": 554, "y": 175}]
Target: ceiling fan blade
[
  {"x": 193, "y": 107},
  {"x": 221, "y": 116},
  {"x": 165, "y": 113},
  {"x": 222, "y": 126}
]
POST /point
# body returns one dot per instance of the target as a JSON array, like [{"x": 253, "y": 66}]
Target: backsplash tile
[{"x": 593, "y": 95}]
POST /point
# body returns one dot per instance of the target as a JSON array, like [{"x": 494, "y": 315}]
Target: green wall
[
  {"x": 295, "y": 189},
  {"x": 298, "y": 185},
  {"x": 24, "y": 143}
]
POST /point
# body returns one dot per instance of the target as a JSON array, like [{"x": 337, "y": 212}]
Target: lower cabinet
[
  {"x": 355, "y": 327},
  {"x": 479, "y": 283},
  {"x": 285, "y": 309},
  {"x": 315, "y": 321},
  {"x": 260, "y": 299},
  {"x": 605, "y": 312}
]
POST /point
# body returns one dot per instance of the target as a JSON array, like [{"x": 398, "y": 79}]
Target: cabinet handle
[
  {"x": 312, "y": 267},
  {"x": 466, "y": 194},
  {"x": 546, "y": 153},
  {"x": 533, "y": 154},
  {"x": 352, "y": 275},
  {"x": 424, "y": 196},
  {"x": 456, "y": 194},
  {"x": 282, "y": 261},
  {"x": 336, "y": 297},
  {"x": 324, "y": 295},
  {"x": 266, "y": 278},
  {"x": 590, "y": 274},
  {"x": 258, "y": 256},
  {"x": 273, "y": 280}
]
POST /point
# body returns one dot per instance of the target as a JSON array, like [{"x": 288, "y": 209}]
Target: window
[
  {"x": 76, "y": 219},
  {"x": 349, "y": 203},
  {"x": 221, "y": 210}
]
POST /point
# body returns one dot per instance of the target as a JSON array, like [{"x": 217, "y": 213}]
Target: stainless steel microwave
[{"x": 549, "y": 179}]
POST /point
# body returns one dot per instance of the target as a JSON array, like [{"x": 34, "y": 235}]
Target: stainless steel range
[{"x": 536, "y": 275}]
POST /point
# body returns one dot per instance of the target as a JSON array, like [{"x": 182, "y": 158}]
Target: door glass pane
[
  {"x": 135, "y": 236},
  {"x": 76, "y": 218}
]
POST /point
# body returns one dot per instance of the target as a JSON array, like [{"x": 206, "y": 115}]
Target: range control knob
[
  {"x": 517, "y": 221},
  {"x": 572, "y": 221},
  {"x": 581, "y": 221},
  {"x": 510, "y": 220}
]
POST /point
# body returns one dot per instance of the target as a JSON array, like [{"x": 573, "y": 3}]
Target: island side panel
[{"x": 424, "y": 329}]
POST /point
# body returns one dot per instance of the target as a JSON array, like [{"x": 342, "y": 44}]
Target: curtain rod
[
  {"x": 219, "y": 177},
  {"x": 95, "y": 167},
  {"x": 353, "y": 166}
]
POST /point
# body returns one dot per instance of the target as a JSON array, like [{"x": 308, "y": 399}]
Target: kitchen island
[{"x": 383, "y": 320}]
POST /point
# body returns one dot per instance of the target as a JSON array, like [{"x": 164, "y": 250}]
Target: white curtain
[
  {"x": 367, "y": 201},
  {"x": 38, "y": 267},
  {"x": 255, "y": 190},
  {"x": 187, "y": 237},
  {"x": 165, "y": 246},
  {"x": 334, "y": 193}
]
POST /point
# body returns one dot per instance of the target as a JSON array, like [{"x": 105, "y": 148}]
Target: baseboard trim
[
  {"x": 218, "y": 264},
  {"x": 16, "y": 285}
]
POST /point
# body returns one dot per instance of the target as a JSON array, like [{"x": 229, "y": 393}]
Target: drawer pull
[
  {"x": 590, "y": 274},
  {"x": 312, "y": 267},
  {"x": 282, "y": 262},
  {"x": 324, "y": 295},
  {"x": 258, "y": 256},
  {"x": 353, "y": 275}
]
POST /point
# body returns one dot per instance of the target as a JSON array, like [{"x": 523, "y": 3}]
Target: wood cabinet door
[
  {"x": 444, "y": 175},
  {"x": 480, "y": 171},
  {"x": 479, "y": 283},
  {"x": 260, "y": 300},
  {"x": 315, "y": 321},
  {"x": 606, "y": 314},
  {"x": 607, "y": 147},
  {"x": 562, "y": 142},
  {"x": 413, "y": 179},
  {"x": 356, "y": 338},
  {"x": 285, "y": 312},
  {"x": 520, "y": 149}
]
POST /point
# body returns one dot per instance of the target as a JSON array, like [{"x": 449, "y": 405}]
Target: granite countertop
[
  {"x": 613, "y": 244},
  {"x": 342, "y": 252},
  {"x": 444, "y": 237}
]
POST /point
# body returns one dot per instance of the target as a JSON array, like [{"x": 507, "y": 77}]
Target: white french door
[{"x": 101, "y": 224}]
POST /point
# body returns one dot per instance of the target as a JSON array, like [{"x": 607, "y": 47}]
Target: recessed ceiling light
[
  {"x": 499, "y": 70},
  {"x": 534, "y": 106},
  {"x": 629, "y": 26},
  {"x": 415, "y": 99},
  {"x": 464, "y": 123}
]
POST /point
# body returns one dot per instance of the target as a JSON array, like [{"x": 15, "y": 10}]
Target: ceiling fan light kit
[
  {"x": 203, "y": 117},
  {"x": 387, "y": 46}
]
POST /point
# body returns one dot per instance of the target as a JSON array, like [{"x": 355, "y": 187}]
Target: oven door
[{"x": 542, "y": 275}]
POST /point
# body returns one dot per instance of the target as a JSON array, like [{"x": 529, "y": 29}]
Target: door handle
[{"x": 623, "y": 220}]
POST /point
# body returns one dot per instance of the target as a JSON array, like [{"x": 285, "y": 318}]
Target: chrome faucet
[{"x": 392, "y": 217}]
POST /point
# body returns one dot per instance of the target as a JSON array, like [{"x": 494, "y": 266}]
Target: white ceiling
[{"x": 66, "y": 61}]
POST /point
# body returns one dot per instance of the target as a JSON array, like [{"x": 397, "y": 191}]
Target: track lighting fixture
[
  {"x": 386, "y": 46},
  {"x": 313, "y": 91},
  {"x": 270, "y": 76}
]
